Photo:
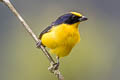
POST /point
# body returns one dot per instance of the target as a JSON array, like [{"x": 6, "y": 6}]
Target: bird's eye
[{"x": 73, "y": 16}]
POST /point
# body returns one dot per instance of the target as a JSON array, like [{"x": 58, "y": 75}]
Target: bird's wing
[
  {"x": 60, "y": 20},
  {"x": 45, "y": 31}
]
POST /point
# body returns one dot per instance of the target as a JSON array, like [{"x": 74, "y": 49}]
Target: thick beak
[{"x": 83, "y": 18}]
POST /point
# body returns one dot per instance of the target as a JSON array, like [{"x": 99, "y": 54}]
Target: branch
[{"x": 32, "y": 34}]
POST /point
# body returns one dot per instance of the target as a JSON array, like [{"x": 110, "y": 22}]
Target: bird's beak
[{"x": 83, "y": 18}]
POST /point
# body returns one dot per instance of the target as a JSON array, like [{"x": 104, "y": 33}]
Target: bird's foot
[
  {"x": 39, "y": 44},
  {"x": 56, "y": 66},
  {"x": 53, "y": 67}
]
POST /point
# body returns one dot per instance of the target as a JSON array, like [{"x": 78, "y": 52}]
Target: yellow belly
[{"x": 61, "y": 39}]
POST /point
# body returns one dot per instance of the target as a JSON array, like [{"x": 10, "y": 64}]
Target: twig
[{"x": 26, "y": 26}]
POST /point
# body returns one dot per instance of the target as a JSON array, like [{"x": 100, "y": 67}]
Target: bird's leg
[
  {"x": 54, "y": 66},
  {"x": 57, "y": 64}
]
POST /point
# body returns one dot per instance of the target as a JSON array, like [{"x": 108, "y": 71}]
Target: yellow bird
[{"x": 62, "y": 35}]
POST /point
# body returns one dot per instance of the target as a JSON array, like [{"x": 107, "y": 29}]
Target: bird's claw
[
  {"x": 38, "y": 44},
  {"x": 56, "y": 66},
  {"x": 53, "y": 67}
]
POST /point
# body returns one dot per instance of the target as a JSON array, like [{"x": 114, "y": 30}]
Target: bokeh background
[{"x": 95, "y": 58}]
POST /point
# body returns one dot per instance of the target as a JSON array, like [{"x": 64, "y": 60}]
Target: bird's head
[
  {"x": 78, "y": 16},
  {"x": 70, "y": 18}
]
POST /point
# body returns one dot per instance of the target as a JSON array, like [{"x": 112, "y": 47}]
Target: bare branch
[
  {"x": 26, "y": 26},
  {"x": 11, "y": 7}
]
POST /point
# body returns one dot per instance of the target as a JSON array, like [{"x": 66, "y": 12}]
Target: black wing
[
  {"x": 45, "y": 31},
  {"x": 60, "y": 20}
]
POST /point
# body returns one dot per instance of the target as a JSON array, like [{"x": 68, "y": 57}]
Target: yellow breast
[
  {"x": 67, "y": 34},
  {"x": 61, "y": 39}
]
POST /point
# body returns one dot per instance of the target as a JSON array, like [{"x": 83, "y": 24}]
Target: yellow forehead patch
[{"x": 76, "y": 13}]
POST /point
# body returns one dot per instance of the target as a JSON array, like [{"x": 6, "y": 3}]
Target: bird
[{"x": 63, "y": 34}]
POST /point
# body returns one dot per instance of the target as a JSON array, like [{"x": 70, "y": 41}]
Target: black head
[{"x": 70, "y": 18}]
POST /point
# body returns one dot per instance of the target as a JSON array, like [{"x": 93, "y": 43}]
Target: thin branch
[
  {"x": 11, "y": 7},
  {"x": 26, "y": 26}
]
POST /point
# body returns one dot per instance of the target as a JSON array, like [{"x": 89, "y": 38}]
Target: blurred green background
[{"x": 96, "y": 57}]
